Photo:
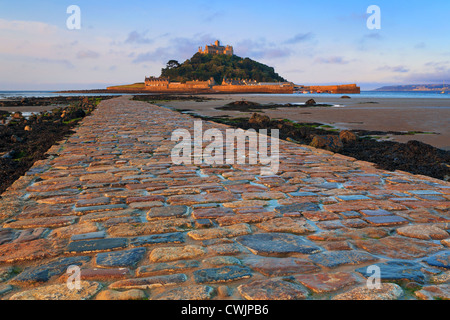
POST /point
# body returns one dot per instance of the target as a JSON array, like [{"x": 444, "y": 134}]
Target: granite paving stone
[
  {"x": 191, "y": 293},
  {"x": 174, "y": 237},
  {"x": 441, "y": 260},
  {"x": 88, "y": 246},
  {"x": 327, "y": 282},
  {"x": 277, "y": 244},
  {"x": 128, "y": 258},
  {"x": 333, "y": 259},
  {"x": 223, "y": 274},
  {"x": 44, "y": 272},
  {"x": 397, "y": 270},
  {"x": 275, "y": 289},
  {"x": 275, "y": 267}
]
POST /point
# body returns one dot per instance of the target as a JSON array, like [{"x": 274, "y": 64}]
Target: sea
[{"x": 364, "y": 94}]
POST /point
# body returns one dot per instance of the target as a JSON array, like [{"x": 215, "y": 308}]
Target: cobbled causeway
[{"x": 108, "y": 205}]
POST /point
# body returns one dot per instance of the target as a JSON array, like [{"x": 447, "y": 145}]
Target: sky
[{"x": 307, "y": 42}]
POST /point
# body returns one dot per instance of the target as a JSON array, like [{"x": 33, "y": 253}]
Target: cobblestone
[{"x": 110, "y": 200}]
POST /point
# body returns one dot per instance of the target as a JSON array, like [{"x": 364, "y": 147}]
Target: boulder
[
  {"x": 310, "y": 102},
  {"x": 347, "y": 136},
  {"x": 328, "y": 142},
  {"x": 259, "y": 120}
]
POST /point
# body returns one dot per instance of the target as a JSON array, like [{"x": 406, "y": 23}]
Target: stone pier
[{"x": 110, "y": 209}]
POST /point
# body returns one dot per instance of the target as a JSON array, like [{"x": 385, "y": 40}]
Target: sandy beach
[{"x": 381, "y": 114}]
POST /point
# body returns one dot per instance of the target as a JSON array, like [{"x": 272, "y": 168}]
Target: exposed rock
[
  {"x": 347, "y": 136},
  {"x": 328, "y": 142},
  {"x": 259, "y": 120},
  {"x": 310, "y": 102}
]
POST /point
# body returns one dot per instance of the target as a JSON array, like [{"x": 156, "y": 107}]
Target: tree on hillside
[{"x": 206, "y": 66}]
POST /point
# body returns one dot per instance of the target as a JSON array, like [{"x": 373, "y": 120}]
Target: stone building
[
  {"x": 157, "y": 82},
  {"x": 216, "y": 48}
]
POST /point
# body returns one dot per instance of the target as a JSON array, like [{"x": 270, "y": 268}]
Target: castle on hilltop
[{"x": 216, "y": 48}]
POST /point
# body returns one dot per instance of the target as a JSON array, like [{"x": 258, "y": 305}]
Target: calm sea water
[{"x": 364, "y": 94}]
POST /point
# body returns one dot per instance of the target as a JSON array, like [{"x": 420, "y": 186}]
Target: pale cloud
[
  {"x": 396, "y": 69},
  {"x": 88, "y": 54},
  {"x": 332, "y": 60},
  {"x": 138, "y": 38},
  {"x": 300, "y": 37}
]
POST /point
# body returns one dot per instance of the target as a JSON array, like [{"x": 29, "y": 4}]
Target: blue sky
[{"x": 308, "y": 42}]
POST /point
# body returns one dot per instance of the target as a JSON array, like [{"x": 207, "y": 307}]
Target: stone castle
[{"x": 216, "y": 48}]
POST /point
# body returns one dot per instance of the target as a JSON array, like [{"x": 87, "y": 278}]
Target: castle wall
[{"x": 339, "y": 89}]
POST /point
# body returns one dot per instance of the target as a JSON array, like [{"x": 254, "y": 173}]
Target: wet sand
[{"x": 381, "y": 114}]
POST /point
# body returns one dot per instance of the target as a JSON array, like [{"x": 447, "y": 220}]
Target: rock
[
  {"x": 346, "y": 97},
  {"x": 128, "y": 258},
  {"x": 329, "y": 142},
  {"x": 5, "y": 273},
  {"x": 424, "y": 232},
  {"x": 223, "y": 274},
  {"x": 4, "y": 289},
  {"x": 90, "y": 246},
  {"x": 177, "y": 253},
  {"x": 259, "y": 120},
  {"x": 111, "y": 295},
  {"x": 287, "y": 225},
  {"x": 222, "y": 261},
  {"x": 32, "y": 250},
  {"x": 440, "y": 292},
  {"x": 273, "y": 290},
  {"x": 60, "y": 292},
  {"x": 224, "y": 291},
  {"x": 327, "y": 282},
  {"x": 275, "y": 267},
  {"x": 222, "y": 232},
  {"x": 17, "y": 115},
  {"x": 384, "y": 221},
  {"x": 45, "y": 272},
  {"x": 335, "y": 259},
  {"x": 187, "y": 293},
  {"x": 150, "y": 283},
  {"x": 298, "y": 207},
  {"x": 167, "y": 212},
  {"x": 174, "y": 237},
  {"x": 440, "y": 260},
  {"x": 310, "y": 102},
  {"x": 277, "y": 244},
  {"x": 388, "y": 291},
  {"x": 166, "y": 268},
  {"x": 398, "y": 271},
  {"x": 398, "y": 247},
  {"x": 347, "y": 136}
]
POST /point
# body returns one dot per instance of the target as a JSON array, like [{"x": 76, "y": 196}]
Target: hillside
[
  {"x": 206, "y": 66},
  {"x": 416, "y": 87}
]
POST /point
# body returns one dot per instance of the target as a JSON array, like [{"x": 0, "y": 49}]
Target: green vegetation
[{"x": 206, "y": 66}]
